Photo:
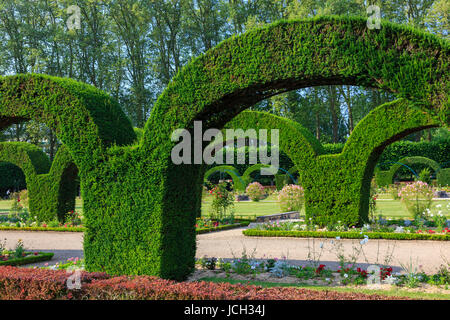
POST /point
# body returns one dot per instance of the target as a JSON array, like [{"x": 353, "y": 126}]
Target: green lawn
[{"x": 385, "y": 205}]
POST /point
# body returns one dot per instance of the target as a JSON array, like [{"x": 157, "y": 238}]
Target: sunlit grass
[{"x": 385, "y": 205}]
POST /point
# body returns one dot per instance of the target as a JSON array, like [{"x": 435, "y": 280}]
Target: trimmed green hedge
[
  {"x": 434, "y": 150},
  {"x": 443, "y": 177},
  {"x": 238, "y": 182},
  {"x": 409, "y": 161},
  {"x": 82, "y": 229},
  {"x": 54, "y": 229},
  {"x": 222, "y": 228},
  {"x": 346, "y": 235},
  {"x": 140, "y": 208},
  {"x": 43, "y": 256}
]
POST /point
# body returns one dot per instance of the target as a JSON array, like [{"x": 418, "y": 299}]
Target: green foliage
[
  {"x": 410, "y": 161},
  {"x": 29, "y": 258},
  {"x": 140, "y": 208},
  {"x": 443, "y": 177},
  {"x": 238, "y": 182},
  {"x": 346, "y": 235},
  {"x": 434, "y": 150},
  {"x": 280, "y": 181},
  {"x": 425, "y": 176}
]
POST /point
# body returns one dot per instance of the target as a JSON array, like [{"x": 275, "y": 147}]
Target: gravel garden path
[{"x": 231, "y": 243}]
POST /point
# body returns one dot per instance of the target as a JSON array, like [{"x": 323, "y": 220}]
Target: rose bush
[
  {"x": 255, "y": 191},
  {"x": 291, "y": 198}
]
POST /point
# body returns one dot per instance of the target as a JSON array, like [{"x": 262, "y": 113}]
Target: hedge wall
[
  {"x": 141, "y": 209},
  {"x": 435, "y": 150}
]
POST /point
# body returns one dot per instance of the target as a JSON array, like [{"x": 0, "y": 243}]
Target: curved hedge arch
[
  {"x": 247, "y": 174},
  {"x": 237, "y": 180},
  {"x": 140, "y": 208},
  {"x": 84, "y": 118},
  {"x": 410, "y": 161},
  {"x": 52, "y": 187},
  {"x": 352, "y": 169}
]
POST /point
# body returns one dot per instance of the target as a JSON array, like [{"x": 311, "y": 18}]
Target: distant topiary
[
  {"x": 51, "y": 190},
  {"x": 141, "y": 208},
  {"x": 255, "y": 191}
]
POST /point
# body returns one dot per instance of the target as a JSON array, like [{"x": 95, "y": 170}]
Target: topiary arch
[
  {"x": 411, "y": 161},
  {"x": 140, "y": 208},
  {"x": 234, "y": 174},
  {"x": 256, "y": 167},
  {"x": 51, "y": 190}
]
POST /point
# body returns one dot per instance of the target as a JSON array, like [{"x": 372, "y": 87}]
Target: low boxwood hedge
[
  {"x": 42, "y": 256},
  {"x": 223, "y": 227},
  {"x": 346, "y": 235},
  {"x": 57, "y": 229}
]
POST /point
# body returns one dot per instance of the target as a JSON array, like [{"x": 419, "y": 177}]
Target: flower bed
[
  {"x": 314, "y": 272},
  {"x": 39, "y": 284}
]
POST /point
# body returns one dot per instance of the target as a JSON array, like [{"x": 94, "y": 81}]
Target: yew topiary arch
[
  {"x": 140, "y": 207},
  {"x": 410, "y": 161},
  {"x": 230, "y": 170}
]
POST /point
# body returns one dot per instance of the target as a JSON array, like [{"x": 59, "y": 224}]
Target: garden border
[{"x": 346, "y": 235}]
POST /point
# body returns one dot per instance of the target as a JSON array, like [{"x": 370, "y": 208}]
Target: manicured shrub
[
  {"x": 291, "y": 198},
  {"x": 52, "y": 187},
  {"x": 238, "y": 183},
  {"x": 410, "y": 161},
  {"x": 280, "y": 181},
  {"x": 435, "y": 150}
]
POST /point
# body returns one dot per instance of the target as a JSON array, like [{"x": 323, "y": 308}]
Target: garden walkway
[{"x": 231, "y": 243}]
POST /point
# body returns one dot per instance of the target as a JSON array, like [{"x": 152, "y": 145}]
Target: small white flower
[{"x": 345, "y": 275}]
